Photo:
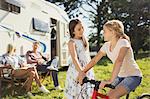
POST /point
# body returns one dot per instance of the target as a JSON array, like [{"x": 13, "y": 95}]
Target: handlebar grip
[
  {"x": 84, "y": 80},
  {"x": 110, "y": 86}
]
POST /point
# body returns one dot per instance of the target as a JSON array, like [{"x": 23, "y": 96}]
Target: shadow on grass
[{"x": 7, "y": 90}]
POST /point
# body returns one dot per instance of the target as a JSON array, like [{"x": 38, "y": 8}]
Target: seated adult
[
  {"x": 42, "y": 64},
  {"x": 21, "y": 69}
]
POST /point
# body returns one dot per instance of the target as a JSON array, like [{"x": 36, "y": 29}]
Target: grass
[{"x": 101, "y": 73}]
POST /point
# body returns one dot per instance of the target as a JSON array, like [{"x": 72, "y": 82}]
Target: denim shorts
[{"x": 130, "y": 83}]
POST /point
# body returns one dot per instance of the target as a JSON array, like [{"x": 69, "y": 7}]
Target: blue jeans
[
  {"x": 130, "y": 83},
  {"x": 43, "y": 69}
]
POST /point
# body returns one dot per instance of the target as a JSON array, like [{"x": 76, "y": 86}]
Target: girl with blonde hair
[{"x": 126, "y": 75}]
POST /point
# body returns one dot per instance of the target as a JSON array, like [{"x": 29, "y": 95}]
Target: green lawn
[{"x": 101, "y": 73}]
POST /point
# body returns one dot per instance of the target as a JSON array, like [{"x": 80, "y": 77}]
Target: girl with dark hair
[{"x": 79, "y": 51}]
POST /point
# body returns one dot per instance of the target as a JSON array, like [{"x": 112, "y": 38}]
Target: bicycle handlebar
[
  {"x": 97, "y": 83},
  {"x": 110, "y": 86}
]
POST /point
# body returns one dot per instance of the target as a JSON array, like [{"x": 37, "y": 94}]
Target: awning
[
  {"x": 18, "y": 3},
  {"x": 3, "y": 29}
]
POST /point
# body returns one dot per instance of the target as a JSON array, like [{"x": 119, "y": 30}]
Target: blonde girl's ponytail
[{"x": 124, "y": 36}]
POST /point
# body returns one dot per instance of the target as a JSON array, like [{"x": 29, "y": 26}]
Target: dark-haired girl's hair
[{"x": 72, "y": 26}]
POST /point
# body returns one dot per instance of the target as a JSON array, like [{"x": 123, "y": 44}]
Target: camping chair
[
  {"x": 45, "y": 75},
  {"x": 5, "y": 77},
  {"x": 53, "y": 66},
  {"x": 10, "y": 79}
]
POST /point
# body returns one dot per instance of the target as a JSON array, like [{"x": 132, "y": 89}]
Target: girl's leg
[
  {"x": 117, "y": 92},
  {"x": 125, "y": 86}
]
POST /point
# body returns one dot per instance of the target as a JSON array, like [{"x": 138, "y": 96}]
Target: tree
[
  {"x": 133, "y": 13},
  {"x": 70, "y": 6},
  {"x": 136, "y": 18},
  {"x": 99, "y": 14}
]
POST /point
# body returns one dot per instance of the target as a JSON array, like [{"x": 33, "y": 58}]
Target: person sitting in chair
[
  {"x": 43, "y": 64},
  {"x": 21, "y": 69}
]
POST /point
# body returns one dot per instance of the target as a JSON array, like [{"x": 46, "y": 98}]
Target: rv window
[
  {"x": 9, "y": 7},
  {"x": 40, "y": 26}
]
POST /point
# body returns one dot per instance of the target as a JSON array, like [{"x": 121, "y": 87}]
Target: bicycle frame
[{"x": 96, "y": 94}]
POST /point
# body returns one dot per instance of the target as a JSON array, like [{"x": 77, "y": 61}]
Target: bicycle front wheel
[{"x": 144, "y": 96}]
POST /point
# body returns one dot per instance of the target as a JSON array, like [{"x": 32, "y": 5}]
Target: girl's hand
[
  {"x": 103, "y": 83},
  {"x": 80, "y": 77}
]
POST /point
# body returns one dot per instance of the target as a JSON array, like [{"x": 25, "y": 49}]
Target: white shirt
[
  {"x": 14, "y": 61},
  {"x": 129, "y": 66}
]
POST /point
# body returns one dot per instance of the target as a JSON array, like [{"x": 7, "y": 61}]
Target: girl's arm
[
  {"x": 118, "y": 63},
  {"x": 99, "y": 55},
  {"x": 82, "y": 74},
  {"x": 44, "y": 57},
  {"x": 72, "y": 50},
  {"x": 116, "y": 68}
]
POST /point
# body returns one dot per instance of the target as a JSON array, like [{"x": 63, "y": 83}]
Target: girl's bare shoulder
[{"x": 71, "y": 42}]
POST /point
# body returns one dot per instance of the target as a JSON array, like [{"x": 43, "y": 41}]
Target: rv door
[{"x": 62, "y": 47}]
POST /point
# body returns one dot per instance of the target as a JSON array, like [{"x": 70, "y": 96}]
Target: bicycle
[{"x": 97, "y": 95}]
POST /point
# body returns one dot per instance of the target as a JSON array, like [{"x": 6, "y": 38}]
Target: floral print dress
[{"x": 72, "y": 89}]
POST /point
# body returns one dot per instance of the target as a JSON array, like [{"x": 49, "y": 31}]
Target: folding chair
[
  {"x": 53, "y": 66},
  {"x": 10, "y": 79},
  {"x": 45, "y": 75},
  {"x": 5, "y": 77}
]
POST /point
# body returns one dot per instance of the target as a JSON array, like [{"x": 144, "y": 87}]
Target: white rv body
[{"x": 16, "y": 26}]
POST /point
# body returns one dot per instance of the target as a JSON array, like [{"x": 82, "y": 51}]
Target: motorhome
[{"x": 24, "y": 21}]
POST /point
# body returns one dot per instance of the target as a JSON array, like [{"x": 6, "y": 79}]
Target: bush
[{"x": 104, "y": 61}]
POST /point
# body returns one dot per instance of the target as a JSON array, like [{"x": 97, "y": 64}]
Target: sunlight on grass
[{"x": 101, "y": 73}]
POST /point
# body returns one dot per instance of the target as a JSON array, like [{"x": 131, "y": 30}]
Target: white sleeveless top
[{"x": 71, "y": 87}]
